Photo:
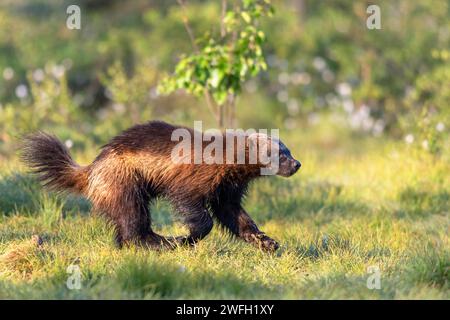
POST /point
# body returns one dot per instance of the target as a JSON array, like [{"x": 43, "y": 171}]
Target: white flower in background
[
  {"x": 425, "y": 144},
  {"x": 313, "y": 118},
  {"x": 38, "y": 75},
  {"x": 378, "y": 127},
  {"x": 21, "y": 91},
  {"x": 327, "y": 76},
  {"x": 365, "y": 111},
  {"x": 43, "y": 95},
  {"x": 332, "y": 100},
  {"x": 440, "y": 127},
  {"x": 344, "y": 89},
  {"x": 58, "y": 71},
  {"x": 153, "y": 93},
  {"x": 119, "y": 108},
  {"x": 8, "y": 73},
  {"x": 300, "y": 78},
  {"x": 409, "y": 138},
  {"x": 348, "y": 105},
  {"x": 355, "y": 122},
  {"x": 292, "y": 107},
  {"x": 283, "y": 78},
  {"x": 69, "y": 143},
  {"x": 282, "y": 96},
  {"x": 182, "y": 268},
  {"x": 361, "y": 119},
  {"x": 367, "y": 124},
  {"x": 319, "y": 63}
]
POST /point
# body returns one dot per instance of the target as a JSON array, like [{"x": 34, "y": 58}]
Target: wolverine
[{"x": 137, "y": 166}]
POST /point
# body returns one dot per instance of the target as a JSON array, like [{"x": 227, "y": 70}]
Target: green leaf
[
  {"x": 246, "y": 16},
  {"x": 215, "y": 78}
]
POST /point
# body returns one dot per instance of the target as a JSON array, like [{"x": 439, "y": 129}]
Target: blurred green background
[{"x": 324, "y": 64}]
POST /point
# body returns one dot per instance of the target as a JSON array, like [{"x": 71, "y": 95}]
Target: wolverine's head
[{"x": 273, "y": 155}]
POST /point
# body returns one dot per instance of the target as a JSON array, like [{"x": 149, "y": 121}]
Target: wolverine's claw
[
  {"x": 269, "y": 244},
  {"x": 262, "y": 241}
]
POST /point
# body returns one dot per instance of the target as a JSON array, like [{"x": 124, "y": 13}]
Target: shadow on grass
[
  {"x": 141, "y": 279},
  {"x": 344, "y": 286},
  {"x": 416, "y": 203},
  {"x": 329, "y": 244},
  {"x": 323, "y": 245},
  {"x": 284, "y": 199},
  {"x": 164, "y": 280},
  {"x": 23, "y": 193},
  {"x": 24, "y": 235},
  {"x": 18, "y": 193}
]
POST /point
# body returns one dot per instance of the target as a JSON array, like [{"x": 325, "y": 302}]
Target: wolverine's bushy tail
[{"x": 52, "y": 163}]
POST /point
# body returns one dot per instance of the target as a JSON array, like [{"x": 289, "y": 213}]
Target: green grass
[{"x": 356, "y": 203}]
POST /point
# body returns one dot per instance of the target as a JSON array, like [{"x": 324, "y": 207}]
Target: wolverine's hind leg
[{"x": 128, "y": 210}]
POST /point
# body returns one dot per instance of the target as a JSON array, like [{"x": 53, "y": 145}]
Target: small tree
[{"x": 219, "y": 66}]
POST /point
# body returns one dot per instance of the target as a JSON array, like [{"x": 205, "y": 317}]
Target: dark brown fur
[{"x": 134, "y": 169}]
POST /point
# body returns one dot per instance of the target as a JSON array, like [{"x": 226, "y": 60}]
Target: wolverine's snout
[
  {"x": 288, "y": 166},
  {"x": 295, "y": 166}
]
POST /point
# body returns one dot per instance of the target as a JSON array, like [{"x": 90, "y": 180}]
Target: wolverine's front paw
[
  {"x": 262, "y": 241},
  {"x": 269, "y": 244}
]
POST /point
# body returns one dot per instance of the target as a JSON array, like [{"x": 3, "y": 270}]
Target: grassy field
[{"x": 357, "y": 203}]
